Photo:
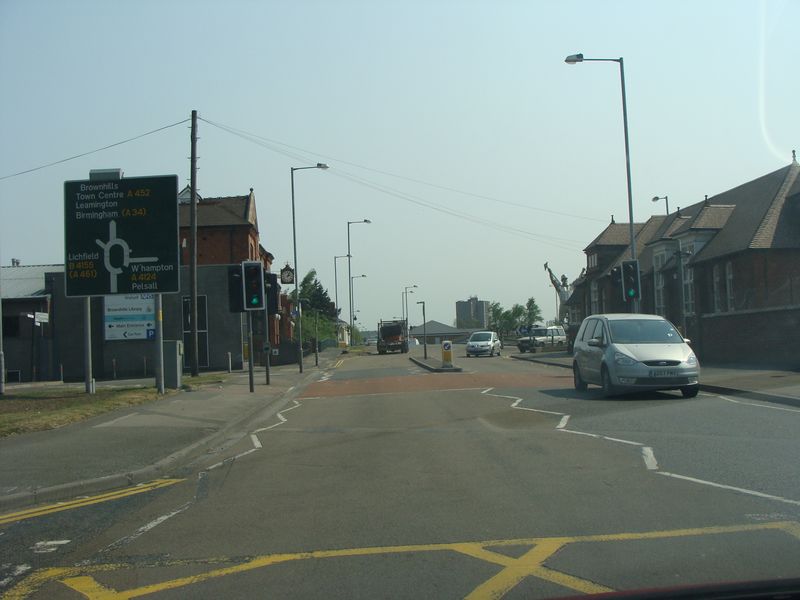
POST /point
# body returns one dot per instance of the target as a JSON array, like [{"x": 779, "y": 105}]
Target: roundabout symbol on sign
[{"x": 446, "y": 345}]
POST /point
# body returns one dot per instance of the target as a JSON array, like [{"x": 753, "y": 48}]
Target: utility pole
[{"x": 193, "y": 251}]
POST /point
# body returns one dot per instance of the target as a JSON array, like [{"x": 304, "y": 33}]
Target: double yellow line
[{"x": 40, "y": 511}]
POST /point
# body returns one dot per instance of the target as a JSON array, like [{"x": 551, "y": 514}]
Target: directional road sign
[{"x": 121, "y": 236}]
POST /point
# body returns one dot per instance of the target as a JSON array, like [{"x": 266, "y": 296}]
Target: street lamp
[
  {"x": 297, "y": 270},
  {"x": 424, "y": 329},
  {"x": 577, "y": 58},
  {"x": 406, "y": 292},
  {"x": 336, "y": 289},
  {"x": 665, "y": 198},
  {"x": 352, "y": 311},
  {"x": 349, "y": 256}
]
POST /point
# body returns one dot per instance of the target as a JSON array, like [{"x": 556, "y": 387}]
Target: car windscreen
[
  {"x": 644, "y": 331},
  {"x": 539, "y": 332},
  {"x": 480, "y": 337}
]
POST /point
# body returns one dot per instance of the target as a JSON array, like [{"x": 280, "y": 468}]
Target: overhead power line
[
  {"x": 269, "y": 145},
  {"x": 253, "y": 137},
  {"x": 82, "y": 154}
]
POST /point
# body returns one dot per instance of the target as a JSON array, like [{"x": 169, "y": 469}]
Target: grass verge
[{"x": 24, "y": 410}]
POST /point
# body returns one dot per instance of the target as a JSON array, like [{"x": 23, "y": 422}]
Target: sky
[{"x": 456, "y": 127}]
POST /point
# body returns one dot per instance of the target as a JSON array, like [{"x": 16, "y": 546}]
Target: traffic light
[
  {"x": 235, "y": 288},
  {"x": 273, "y": 293},
  {"x": 631, "y": 283},
  {"x": 253, "y": 285}
]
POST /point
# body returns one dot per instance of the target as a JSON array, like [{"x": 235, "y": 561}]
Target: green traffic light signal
[{"x": 253, "y": 285}]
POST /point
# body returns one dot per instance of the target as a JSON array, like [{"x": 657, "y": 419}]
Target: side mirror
[
  {"x": 594, "y": 343},
  {"x": 687, "y": 341}
]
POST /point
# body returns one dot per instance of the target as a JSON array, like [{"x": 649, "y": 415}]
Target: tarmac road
[{"x": 376, "y": 478}]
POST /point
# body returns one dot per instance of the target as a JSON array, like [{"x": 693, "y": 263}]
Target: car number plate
[{"x": 663, "y": 373}]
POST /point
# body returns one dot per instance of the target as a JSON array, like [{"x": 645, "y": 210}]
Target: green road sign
[{"x": 121, "y": 236}]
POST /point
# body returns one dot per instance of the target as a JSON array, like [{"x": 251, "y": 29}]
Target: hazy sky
[{"x": 456, "y": 127}]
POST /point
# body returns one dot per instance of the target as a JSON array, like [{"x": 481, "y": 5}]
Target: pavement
[
  {"x": 139, "y": 444},
  {"x": 759, "y": 383},
  {"x": 136, "y": 445}
]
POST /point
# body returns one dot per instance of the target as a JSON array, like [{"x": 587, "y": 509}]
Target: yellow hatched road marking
[
  {"x": 514, "y": 570},
  {"x": 88, "y": 501}
]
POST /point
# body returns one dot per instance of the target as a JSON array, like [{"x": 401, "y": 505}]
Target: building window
[
  {"x": 717, "y": 290},
  {"x": 688, "y": 290},
  {"x": 592, "y": 261},
  {"x": 10, "y": 327},
  {"x": 658, "y": 283},
  {"x": 595, "y": 296},
  {"x": 729, "y": 285}
]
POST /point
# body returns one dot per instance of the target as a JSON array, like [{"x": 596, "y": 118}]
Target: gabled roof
[
  {"x": 25, "y": 281},
  {"x": 764, "y": 215},
  {"x": 438, "y": 329},
  {"x": 223, "y": 211},
  {"x": 616, "y": 234}
]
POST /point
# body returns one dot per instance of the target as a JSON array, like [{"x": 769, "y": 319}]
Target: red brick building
[{"x": 227, "y": 233}]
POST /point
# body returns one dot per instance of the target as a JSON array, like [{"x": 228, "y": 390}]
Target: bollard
[
  {"x": 113, "y": 368},
  {"x": 61, "y": 371},
  {"x": 447, "y": 354},
  {"x": 144, "y": 359},
  {"x": 230, "y": 367}
]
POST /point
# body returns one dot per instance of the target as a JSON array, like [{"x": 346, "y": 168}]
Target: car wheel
[
  {"x": 690, "y": 391},
  {"x": 580, "y": 384},
  {"x": 491, "y": 353},
  {"x": 608, "y": 388}
]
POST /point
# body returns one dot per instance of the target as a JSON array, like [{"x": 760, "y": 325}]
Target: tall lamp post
[
  {"x": 424, "y": 329},
  {"x": 349, "y": 275},
  {"x": 664, "y": 198},
  {"x": 406, "y": 291},
  {"x": 352, "y": 309},
  {"x": 336, "y": 291},
  {"x": 577, "y": 58},
  {"x": 297, "y": 270}
]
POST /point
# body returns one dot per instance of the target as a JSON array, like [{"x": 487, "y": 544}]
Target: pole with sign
[{"x": 121, "y": 237}]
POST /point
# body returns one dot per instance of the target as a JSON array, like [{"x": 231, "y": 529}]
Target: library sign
[{"x": 121, "y": 236}]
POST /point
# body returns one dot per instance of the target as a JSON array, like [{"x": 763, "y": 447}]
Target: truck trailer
[{"x": 391, "y": 336}]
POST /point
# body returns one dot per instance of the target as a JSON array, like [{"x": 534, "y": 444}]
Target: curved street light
[
  {"x": 349, "y": 256},
  {"x": 579, "y": 58},
  {"x": 665, "y": 198},
  {"x": 297, "y": 270}
]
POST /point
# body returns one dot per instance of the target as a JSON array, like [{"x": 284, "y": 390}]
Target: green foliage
[
  {"x": 533, "y": 314},
  {"x": 507, "y": 321}
]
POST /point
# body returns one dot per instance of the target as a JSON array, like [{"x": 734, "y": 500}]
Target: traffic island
[{"x": 434, "y": 365}]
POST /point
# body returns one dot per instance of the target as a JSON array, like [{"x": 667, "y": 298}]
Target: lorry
[{"x": 392, "y": 336}]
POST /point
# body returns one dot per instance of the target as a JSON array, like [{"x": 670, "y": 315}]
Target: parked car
[
  {"x": 628, "y": 352},
  {"x": 483, "y": 342},
  {"x": 542, "y": 336}
]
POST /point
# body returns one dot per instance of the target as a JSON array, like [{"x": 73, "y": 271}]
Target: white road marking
[
  {"x": 48, "y": 546},
  {"x": 730, "y": 487},
  {"x": 563, "y": 422},
  {"x": 758, "y": 405},
  {"x": 145, "y": 528},
  {"x": 255, "y": 440},
  {"x": 649, "y": 458},
  {"x": 280, "y": 416}
]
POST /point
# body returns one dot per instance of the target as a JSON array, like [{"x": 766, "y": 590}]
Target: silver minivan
[{"x": 629, "y": 352}]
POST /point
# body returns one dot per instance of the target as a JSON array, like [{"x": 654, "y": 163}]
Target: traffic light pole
[{"x": 250, "y": 350}]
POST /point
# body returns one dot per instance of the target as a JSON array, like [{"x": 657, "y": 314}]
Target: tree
[
  {"x": 495, "y": 316},
  {"x": 315, "y": 297},
  {"x": 533, "y": 314}
]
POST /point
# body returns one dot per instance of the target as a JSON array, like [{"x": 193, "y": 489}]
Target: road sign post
[{"x": 121, "y": 236}]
